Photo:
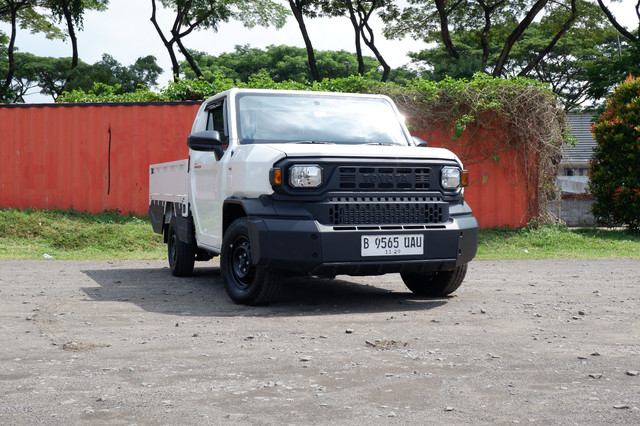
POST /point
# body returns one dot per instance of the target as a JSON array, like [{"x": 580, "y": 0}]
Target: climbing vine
[{"x": 487, "y": 118}]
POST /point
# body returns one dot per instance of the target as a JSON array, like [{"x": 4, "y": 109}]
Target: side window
[{"x": 216, "y": 120}]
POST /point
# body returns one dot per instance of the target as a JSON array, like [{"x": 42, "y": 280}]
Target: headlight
[
  {"x": 450, "y": 178},
  {"x": 307, "y": 176}
]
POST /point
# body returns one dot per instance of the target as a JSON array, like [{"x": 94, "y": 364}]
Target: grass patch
[
  {"x": 557, "y": 242},
  {"x": 38, "y": 234}
]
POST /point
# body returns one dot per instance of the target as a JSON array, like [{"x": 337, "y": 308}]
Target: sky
[{"x": 125, "y": 32}]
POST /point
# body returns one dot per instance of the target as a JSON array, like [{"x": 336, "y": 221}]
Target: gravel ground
[{"x": 544, "y": 342}]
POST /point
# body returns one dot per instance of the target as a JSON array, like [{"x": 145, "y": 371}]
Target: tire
[
  {"x": 435, "y": 284},
  {"x": 244, "y": 282},
  {"x": 181, "y": 255}
]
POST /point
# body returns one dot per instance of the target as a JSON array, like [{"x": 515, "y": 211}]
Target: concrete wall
[{"x": 572, "y": 212}]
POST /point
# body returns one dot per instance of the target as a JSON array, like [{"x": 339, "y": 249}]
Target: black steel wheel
[
  {"x": 435, "y": 284},
  {"x": 245, "y": 282},
  {"x": 181, "y": 255}
]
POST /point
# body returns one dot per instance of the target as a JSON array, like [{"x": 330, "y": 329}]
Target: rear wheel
[
  {"x": 441, "y": 283},
  {"x": 245, "y": 282},
  {"x": 181, "y": 255}
]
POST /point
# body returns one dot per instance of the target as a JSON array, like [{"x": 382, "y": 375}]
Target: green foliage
[
  {"x": 144, "y": 72},
  {"x": 55, "y": 75},
  {"x": 104, "y": 93},
  {"x": 615, "y": 165},
  {"x": 75, "y": 9},
  {"x": 617, "y": 59},
  {"x": 191, "y": 90},
  {"x": 193, "y": 15},
  {"x": 29, "y": 15},
  {"x": 207, "y": 14},
  {"x": 527, "y": 108},
  {"x": 351, "y": 84},
  {"x": 582, "y": 63},
  {"x": 282, "y": 63},
  {"x": 580, "y": 68}
]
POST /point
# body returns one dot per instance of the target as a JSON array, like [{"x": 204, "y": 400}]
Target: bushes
[{"x": 615, "y": 165}]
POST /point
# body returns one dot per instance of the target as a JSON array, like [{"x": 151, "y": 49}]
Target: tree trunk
[
  {"x": 553, "y": 42},
  {"x": 11, "y": 46},
  {"x": 192, "y": 63},
  {"x": 296, "y": 8},
  {"x": 72, "y": 35},
  {"x": 515, "y": 35},
  {"x": 386, "y": 69},
  {"x": 357, "y": 28},
  {"x": 487, "y": 10},
  {"x": 370, "y": 41},
  {"x": 168, "y": 44},
  {"x": 444, "y": 29}
]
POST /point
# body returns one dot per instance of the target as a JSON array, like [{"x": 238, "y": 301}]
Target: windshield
[{"x": 282, "y": 118}]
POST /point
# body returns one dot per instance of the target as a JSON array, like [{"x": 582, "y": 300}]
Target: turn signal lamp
[
  {"x": 464, "y": 178},
  {"x": 277, "y": 177}
]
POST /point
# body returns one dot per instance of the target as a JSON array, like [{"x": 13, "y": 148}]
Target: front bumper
[{"x": 308, "y": 247}]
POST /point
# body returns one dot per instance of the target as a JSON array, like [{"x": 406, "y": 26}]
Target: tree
[
  {"x": 615, "y": 181},
  {"x": 193, "y": 15},
  {"x": 51, "y": 75},
  {"x": 567, "y": 68},
  {"x": 21, "y": 12},
  {"x": 490, "y": 29},
  {"x": 72, "y": 11},
  {"x": 360, "y": 13},
  {"x": 619, "y": 58},
  {"x": 47, "y": 73},
  {"x": 143, "y": 73}
]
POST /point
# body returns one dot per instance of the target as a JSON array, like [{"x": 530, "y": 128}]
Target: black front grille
[
  {"x": 384, "y": 178},
  {"x": 387, "y": 210}
]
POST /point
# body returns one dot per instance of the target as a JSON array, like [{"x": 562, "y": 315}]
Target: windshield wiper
[
  {"x": 381, "y": 143},
  {"x": 315, "y": 142}
]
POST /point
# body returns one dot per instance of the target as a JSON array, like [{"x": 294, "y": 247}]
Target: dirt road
[{"x": 127, "y": 343}]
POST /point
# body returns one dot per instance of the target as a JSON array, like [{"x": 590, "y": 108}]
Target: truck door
[{"x": 206, "y": 185}]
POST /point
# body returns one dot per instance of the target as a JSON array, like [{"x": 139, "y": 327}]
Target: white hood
[{"x": 364, "y": 151}]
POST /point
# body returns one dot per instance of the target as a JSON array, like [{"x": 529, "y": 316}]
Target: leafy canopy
[{"x": 284, "y": 63}]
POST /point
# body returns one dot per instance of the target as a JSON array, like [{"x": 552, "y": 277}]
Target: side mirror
[
  {"x": 419, "y": 142},
  {"x": 206, "y": 141}
]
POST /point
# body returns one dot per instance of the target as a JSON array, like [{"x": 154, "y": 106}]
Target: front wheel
[
  {"x": 245, "y": 282},
  {"x": 435, "y": 284}
]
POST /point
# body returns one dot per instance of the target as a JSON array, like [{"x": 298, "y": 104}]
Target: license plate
[{"x": 391, "y": 245}]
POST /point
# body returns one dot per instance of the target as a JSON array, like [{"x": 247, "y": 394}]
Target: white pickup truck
[{"x": 282, "y": 183}]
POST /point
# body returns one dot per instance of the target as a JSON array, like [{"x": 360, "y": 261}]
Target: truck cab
[{"x": 312, "y": 183}]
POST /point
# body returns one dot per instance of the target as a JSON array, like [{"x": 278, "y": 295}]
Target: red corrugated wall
[
  {"x": 500, "y": 191},
  {"x": 96, "y": 157},
  {"x": 87, "y": 157}
]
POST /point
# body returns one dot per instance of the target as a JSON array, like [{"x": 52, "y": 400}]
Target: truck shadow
[{"x": 203, "y": 294}]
